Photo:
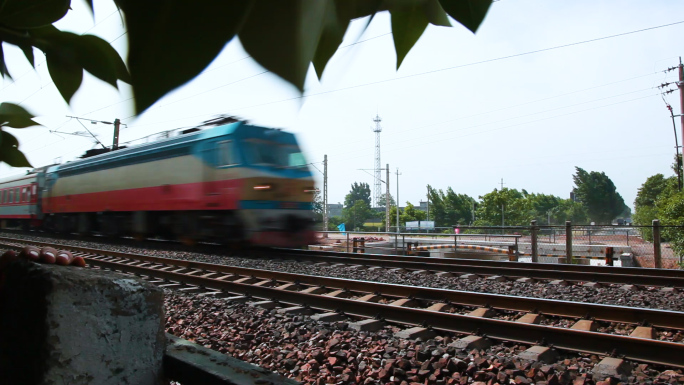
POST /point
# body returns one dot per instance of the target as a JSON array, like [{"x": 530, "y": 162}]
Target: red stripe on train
[{"x": 221, "y": 195}]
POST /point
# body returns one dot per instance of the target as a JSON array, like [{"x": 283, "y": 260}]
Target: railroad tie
[
  {"x": 530, "y": 318},
  {"x": 539, "y": 353},
  {"x": 472, "y": 342}
]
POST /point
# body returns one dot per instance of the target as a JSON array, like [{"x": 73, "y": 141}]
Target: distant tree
[
  {"x": 544, "y": 207},
  {"x": 450, "y": 209},
  {"x": 333, "y": 222},
  {"x": 569, "y": 210},
  {"x": 598, "y": 194},
  {"x": 317, "y": 205},
  {"x": 359, "y": 191},
  {"x": 410, "y": 213},
  {"x": 517, "y": 210},
  {"x": 652, "y": 194},
  {"x": 357, "y": 214},
  {"x": 670, "y": 211},
  {"x": 383, "y": 198}
]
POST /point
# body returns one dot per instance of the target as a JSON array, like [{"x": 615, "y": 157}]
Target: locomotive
[{"x": 232, "y": 183}]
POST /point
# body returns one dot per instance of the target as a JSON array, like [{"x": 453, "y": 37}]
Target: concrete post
[
  {"x": 657, "y": 261},
  {"x": 568, "y": 242},
  {"x": 65, "y": 325},
  {"x": 533, "y": 241}
]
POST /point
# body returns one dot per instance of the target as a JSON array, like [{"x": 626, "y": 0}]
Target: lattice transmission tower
[{"x": 377, "y": 191}]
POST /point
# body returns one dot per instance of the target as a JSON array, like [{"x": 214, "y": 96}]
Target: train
[{"x": 232, "y": 182}]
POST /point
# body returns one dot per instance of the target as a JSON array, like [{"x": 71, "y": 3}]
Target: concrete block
[
  {"x": 289, "y": 287},
  {"x": 314, "y": 290},
  {"x": 497, "y": 278},
  {"x": 444, "y": 274},
  {"x": 416, "y": 332},
  {"x": 669, "y": 290},
  {"x": 472, "y": 342},
  {"x": 421, "y": 272},
  {"x": 339, "y": 294},
  {"x": 266, "y": 283},
  {"x": 470, "y": 277},
  {"x": 530, "y": 318},
  {"x": 328, "y": 317},
  {"x": 483, "y": 312},
  {"x": 367, "y": 325},
  {"x": 247, "y": 280},
  {"x": 405, "y": 302},
  {"x": 440, "y": 306},
  {"x": 629, "y": 287},
  {"x": 264, "y": 304},
  {"x": 79, "y": 326},
  {"x": 594, "y": 285},
  {"x": 295, "y": 310},
  {"x": 238, "y": 299},
  {"x": 611, "y": 367},
  {"x": 370, "y": 298},
  {"x": 526, "y": 280},
  {"x": 539, "y": 353},
  {"x": 586, "y": 325},
  {"x": 558, "y": 282},
  {"x": 643, "y": 332},
  {"x": 190, "y": 363}
]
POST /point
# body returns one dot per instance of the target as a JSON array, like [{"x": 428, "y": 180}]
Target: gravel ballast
[{"x": 331, "y": 353}]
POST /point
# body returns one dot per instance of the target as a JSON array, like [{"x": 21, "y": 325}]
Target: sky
[{"x": 541, "y": 88}]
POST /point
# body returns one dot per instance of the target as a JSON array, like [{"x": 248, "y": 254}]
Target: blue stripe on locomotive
[{"x": 195, "y": 144}]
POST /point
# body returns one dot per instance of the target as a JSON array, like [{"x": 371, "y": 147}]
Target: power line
[{"x": 450, "y": 68}]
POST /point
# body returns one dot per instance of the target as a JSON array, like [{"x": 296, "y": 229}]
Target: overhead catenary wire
[{"x": 299, "y": 97}]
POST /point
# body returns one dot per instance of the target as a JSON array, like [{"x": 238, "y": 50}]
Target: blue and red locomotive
[{"x": 233, "y": 182}]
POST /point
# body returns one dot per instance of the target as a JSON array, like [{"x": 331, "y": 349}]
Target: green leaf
[
  {"x": 100, "y": 59},
  {"x": 90, "y": 5},
  {"x": 408, "y": 23},
  {"x": 172, "y": 41},
  {"x": 28, "y": 52},
  {"x": 335, "y": 25},
  {"x": 27, "y": 14},
  {"x": 283, "y": 36},
  {"x": 66, "y": 75},
  {"x": 15, "y": 116},
  {"x": 470, "y": 13},
  {"x": 89, "y": 52},
  {"x": 9, "y": 151},
  {"x": 435, "y": 13},
  {"x": 3, "y": 66},
  {"x": 332, "y": 34}
]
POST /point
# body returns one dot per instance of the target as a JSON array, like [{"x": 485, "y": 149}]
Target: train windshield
[{"x": 265, "y": 153}]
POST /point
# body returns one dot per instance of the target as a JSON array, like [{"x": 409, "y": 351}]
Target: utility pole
[
  {"x": 680, "y": 84},
  {"x": 428, "y": 203},
  {"x": 398, "y": 199},
  {"x": 387, "y": 199},
  {"x": 325, "y": 192},
  {"x": 115, "y": 143}
]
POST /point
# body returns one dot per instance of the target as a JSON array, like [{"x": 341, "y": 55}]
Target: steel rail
[
  {"x": 609, "y": 313},
  {"x": 614, "y": 275},
  {"x": 639, "y": 349},
  {"x": 476, "y": 262}
]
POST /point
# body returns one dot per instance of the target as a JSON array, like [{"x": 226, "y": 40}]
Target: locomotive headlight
[
  {"x": 263, "y": 187},
  {"x": 310, "y": 190}
]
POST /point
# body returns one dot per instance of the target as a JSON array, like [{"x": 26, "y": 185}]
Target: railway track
[
  {"x": 496, "y": 316},
  {"x": 666, "y": 278}
]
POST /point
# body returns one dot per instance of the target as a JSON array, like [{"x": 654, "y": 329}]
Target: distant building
[
  {"x": 422, "y": 206},
  {"x": 335, "y": 209}
]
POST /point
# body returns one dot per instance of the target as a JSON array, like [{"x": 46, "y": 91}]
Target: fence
[{"x": 646, "y": 246}]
